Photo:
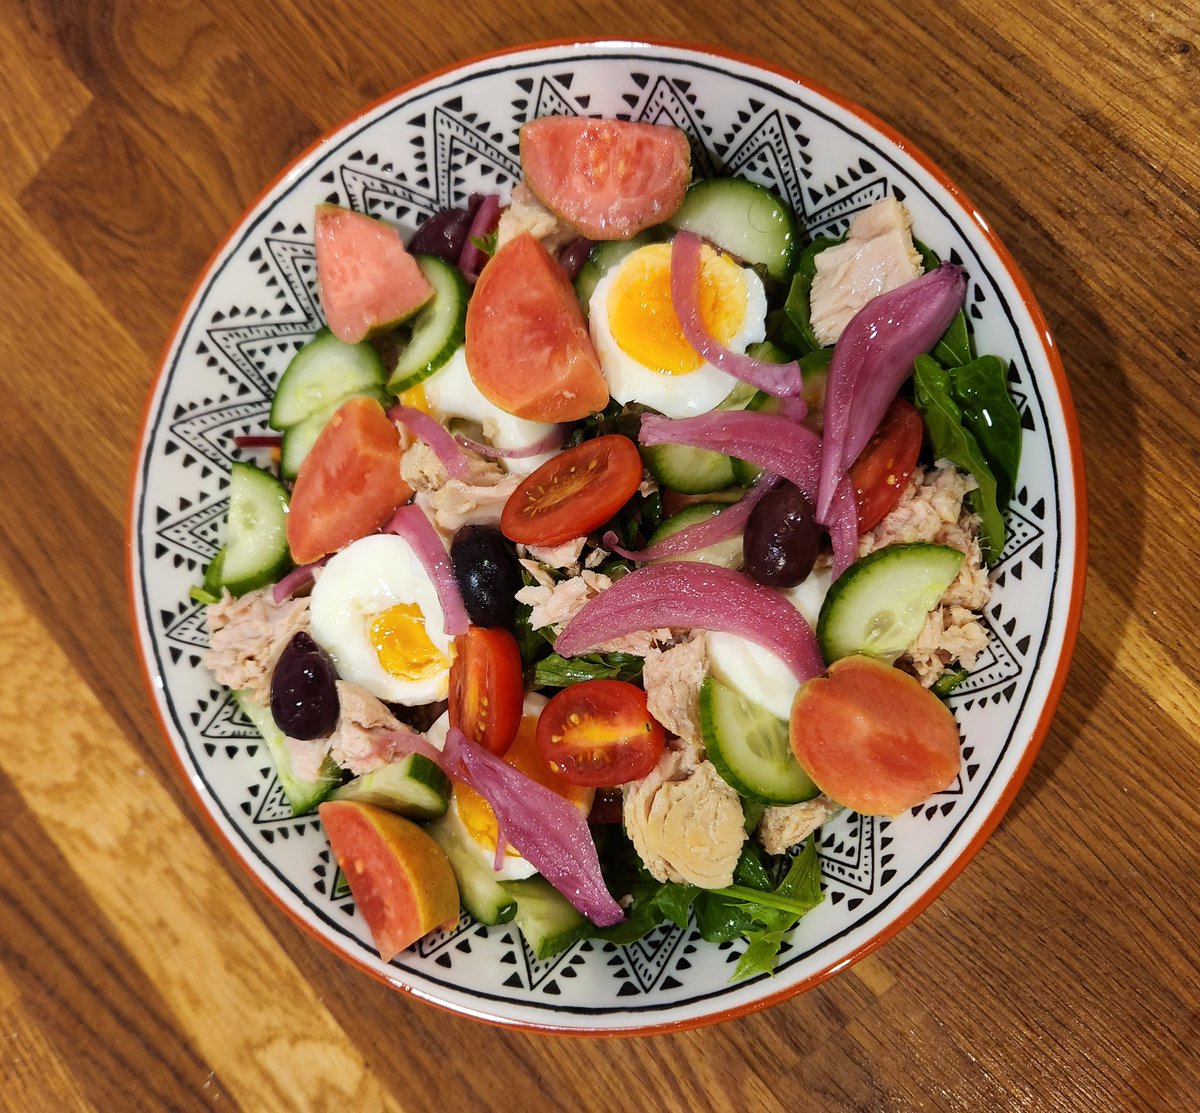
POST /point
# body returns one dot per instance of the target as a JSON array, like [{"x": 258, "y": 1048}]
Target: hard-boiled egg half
[
  {"x": 640, "y": 343},
  {"x": 451, "y": 392},
  {"x": 376, "y": 612},
  {"x": 472, "y": 816},
  {"x": 756, "y": 673}
]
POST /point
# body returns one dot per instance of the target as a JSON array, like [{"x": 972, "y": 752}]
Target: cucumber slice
[
  {"x": 437, "y": 330},
  {"x": 256, "y": 547},
  {"x": 549, "y": 922},
  {"x": 303, "y": 795},
  {"x": 299, "y": 439},
  {"x": 413, "y": 787},
  {"x": 750, "y": 747},
  {"x": 725, "y": 554},
  {"x": 601, "y": 259},
  {"x": 321, "y": 375},
  {"x": 688, "y": 470},
  {"x": 481, "y": 894},
  {"x": 746, "y": 219},
  {"x": 879, "y": 604}
]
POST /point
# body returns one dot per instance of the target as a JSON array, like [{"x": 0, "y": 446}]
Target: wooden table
[{"x": 139, "y": 967}]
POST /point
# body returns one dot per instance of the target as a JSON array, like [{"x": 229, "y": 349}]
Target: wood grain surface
[{"x": 140, "y": 969}]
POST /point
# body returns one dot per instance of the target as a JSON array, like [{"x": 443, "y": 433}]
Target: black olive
[
  {"x": 489, "y": 577},
  {"x": 781, "y": 540},
  {"x": 304, "y": 699}
]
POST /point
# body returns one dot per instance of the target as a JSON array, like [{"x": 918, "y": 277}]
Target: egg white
[
  {"x": 451, "y": 392},
  {"x": 514, "y": 867},
  {"x": 756, "y": 673},
  {"x": 684, "y": 395},
  {"x": 364, "y": 579}
]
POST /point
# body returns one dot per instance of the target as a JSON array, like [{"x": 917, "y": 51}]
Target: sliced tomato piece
[
  {"x": 572, "y": 494},
  {"x": 349, "y": 483},
  {"x": 881, "y": 472},
  {"x": 872, "y": 738},
  {"x": 610, "y": 179},
  {"x": 401, "y": 879},
  {"x": 528, "y": 349},
  {"x": 600, "y": 733},
  {"x": 368, "y": 281},
  {"x": 487, "y": 688}
]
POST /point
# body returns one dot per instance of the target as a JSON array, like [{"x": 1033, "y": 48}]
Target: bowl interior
[{"x": 428, "y": 146}]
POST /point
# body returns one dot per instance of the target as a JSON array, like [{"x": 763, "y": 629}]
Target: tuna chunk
[
  {"x": 360, "y": 740},
  {"x": 246, "y": 637},
  {"x": 878, "y": 256},
  {"x": 684, "y": 821},
  {"x": 672, "y": 680},
  {"x": 527, "y": 214},
  {"x": 782, "y": 827}
]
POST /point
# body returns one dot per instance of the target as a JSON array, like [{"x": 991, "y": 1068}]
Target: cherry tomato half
[
  {"x": 487, "y": 688},
  {"x": 884, "y": 465},
  {"x": 574, "y": 492},
  {"x": 600, "y": 733}
]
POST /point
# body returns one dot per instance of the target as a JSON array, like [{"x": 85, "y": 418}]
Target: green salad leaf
[
  {"x": 753, "y": 908},
  {"x": 558, "y": 672},
  {"x": 797, "y": 308},
  {"x": 981, "y": 390},
  {"x": 954, "y": 441}
]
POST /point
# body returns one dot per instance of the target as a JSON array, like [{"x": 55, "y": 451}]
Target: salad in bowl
[{"x": 607, "y": 558}]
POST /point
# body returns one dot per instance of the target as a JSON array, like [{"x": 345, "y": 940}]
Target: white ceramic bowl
[{"x": 427, "y": 146}]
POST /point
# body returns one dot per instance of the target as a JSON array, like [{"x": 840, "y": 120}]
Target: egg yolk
[
  {"x": 402, "y": 645},
  {"x": 416, "y": 398},
  {"x": 476, "y": 813},
  {"x": 642, "y": 318}
]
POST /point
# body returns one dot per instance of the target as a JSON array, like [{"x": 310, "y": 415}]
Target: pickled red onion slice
[
  {"x": 411, "y": 523},
  {"x": 551, "y": 442},
  {"x": 683, "y": 593},
  {"x": 471, "y": 260},
  {"x": 548, "y": 831},
  {"x": 871, "y": 360},
  {"x": 725, "y": 523},
  {"x": 775, "y": 378},
  {"x": 774, "y": 442},
  {"x": 428, "y": 429}
]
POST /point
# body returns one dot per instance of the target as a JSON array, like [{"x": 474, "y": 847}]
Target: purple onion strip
[
  {"x": 471, "y": 260},
  {"x": 550, "y": 833},
  {"x": 428, "y": 429},
  {"x": 551, "y": 442},
  {"x": 685, "y": 593},
  {"x": 872, "y": 358},
  {"x": 779, "y": 379},
  {"x": 724, "y": 524},
  {"x": 296, "y": 579},
  {"x": 410, "y": 523}
]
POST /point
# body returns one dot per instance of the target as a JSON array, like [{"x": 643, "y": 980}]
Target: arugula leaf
[
  {"x": 981, "y": 389},
  {"x": 952, "y": 440},
  {"x": 750, "y": 908},
  {"x": 558, "y": 672}
]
